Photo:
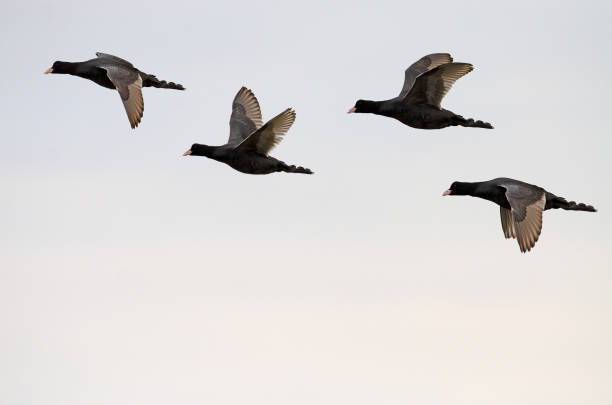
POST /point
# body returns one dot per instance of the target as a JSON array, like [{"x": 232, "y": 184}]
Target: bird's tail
[
  {"x": 294, "y": 169},
  {"x": 560, "y": 202},
  {"x": 152, "y": 81},
  {"x": 459, "y": 120}
]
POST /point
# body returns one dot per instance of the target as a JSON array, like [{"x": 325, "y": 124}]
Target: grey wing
[
  {"x": 269, "y": 135},
  {"x": 246, "y": 116},
  {"x": 431, "y": 87},
  {"x": 425, "y": 64},
  {"x": 114, "y": 58},
  {"x": 527, "y": 204},
  {"x": 129, "y": 85}
]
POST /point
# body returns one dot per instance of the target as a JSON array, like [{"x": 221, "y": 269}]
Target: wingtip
[
  {"x": 246, "y": 92},
  {"x": 135, "y": 124}
]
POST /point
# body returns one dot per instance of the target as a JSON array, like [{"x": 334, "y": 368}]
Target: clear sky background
[{"x": 133, "y": 275}]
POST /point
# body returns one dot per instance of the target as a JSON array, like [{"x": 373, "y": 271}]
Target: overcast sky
[{"x": 133, "y": 275}]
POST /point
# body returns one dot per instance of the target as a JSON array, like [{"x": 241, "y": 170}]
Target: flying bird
[
  {"x": 115, "y": 73},
  {"x": 250, "y": 141},
  {"x": 520, "y": 206},
  {"x": 426, "y": 83}
]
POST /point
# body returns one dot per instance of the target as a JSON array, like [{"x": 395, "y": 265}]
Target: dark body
[
  {"x": 91, "y": 70},
  {"x": 495, "y": 191},
  {"x": 245, "y": 162},
  {"x": 421, "y": 116}
]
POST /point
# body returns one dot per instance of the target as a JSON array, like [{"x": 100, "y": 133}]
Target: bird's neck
[
  {"x": 467, "y": 188},
  {"x": 486, "y": 191},
  {"x": 205, "y": 150},
  {"x": 373, "y": 107},
  {"x": 70, "y": 68}
]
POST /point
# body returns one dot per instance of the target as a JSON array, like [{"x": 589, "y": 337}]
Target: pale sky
[{"x": 132, "y": 275}]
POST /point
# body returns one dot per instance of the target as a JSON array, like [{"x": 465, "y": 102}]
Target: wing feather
[
  {"x": 246, "y": 116},
  {"x": 527, "y": 205},
  {"x": 129, "y": 85},
  {"x": 264, "y": 139},
  {"x": 114, "y": 58},
  {"x": 431, "y": 87},
  {"x": 423, "y": 65},
  {"x": 507, "y": 222},
  {"x": 134, "y": 104}
]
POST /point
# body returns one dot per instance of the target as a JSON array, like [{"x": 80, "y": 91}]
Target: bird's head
[
  {"x": 59, "y": 67},
  {"x": 198, "y": 150},
  {"x": 363, "y": 106},
  {"x": 457, "y": 188}
]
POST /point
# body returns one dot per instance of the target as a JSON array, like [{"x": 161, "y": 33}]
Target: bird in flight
[
  {"x": 118, "y": 74},
  {"x": 520, "y": 206},
  {"x": 426, "y": 82},
  {"x": 250, "y": 141}
]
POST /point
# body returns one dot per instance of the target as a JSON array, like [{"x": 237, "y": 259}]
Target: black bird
[
  {"x": 249, "y": 141},
  {"x": 418, "y": 105},
  {"x": 115, "y": 73},
  {"x": 520, "y": 206}
]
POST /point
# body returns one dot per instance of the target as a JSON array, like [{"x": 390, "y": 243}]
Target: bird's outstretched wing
[
  {"x": 423, "y": 65},
  {"x": 246, "y": 116},
  {"x": 431, "y": 87},
  {"x": 524, "y": 220},
  {"x": 269, "y": 135},
  {"x": 129, "y": 84}
]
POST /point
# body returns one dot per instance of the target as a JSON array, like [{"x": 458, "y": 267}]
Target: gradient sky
[{"x": 132, "y": 275}]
